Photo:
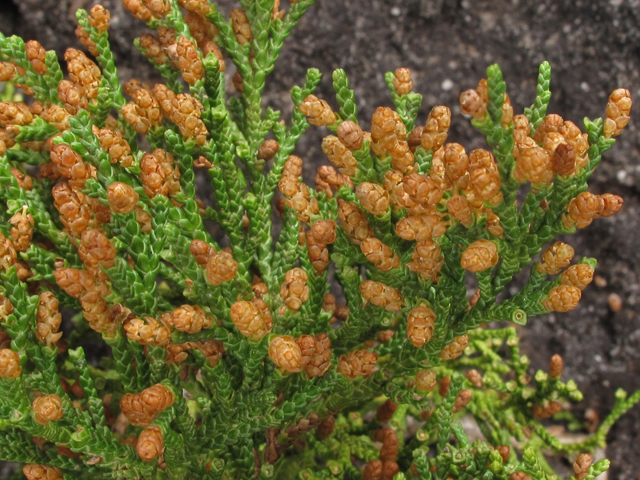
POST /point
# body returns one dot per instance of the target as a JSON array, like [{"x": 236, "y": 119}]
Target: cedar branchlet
[{"x": 231, "y": 354}]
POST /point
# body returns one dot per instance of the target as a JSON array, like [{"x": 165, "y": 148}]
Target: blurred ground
[{"x": 593, "y": 47}]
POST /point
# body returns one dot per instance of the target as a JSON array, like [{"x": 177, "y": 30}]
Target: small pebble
[
  {"x": 600, "y": 281},
  {"x": 447, "y": 85},
  {"x": 615, "y": 302}
]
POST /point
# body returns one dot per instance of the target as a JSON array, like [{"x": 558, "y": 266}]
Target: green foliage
[{"x": 216, "y": 316}]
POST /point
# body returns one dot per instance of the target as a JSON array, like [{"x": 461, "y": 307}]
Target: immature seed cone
[
  {"x": 99, "y": 18},
  {"x": 152, "y": 48},
  {"x": 96, "y": 251},
  {"x": 241, "y": 26},
  {"x": 286, "y": 353},
  {"x": 184, "y": 110},
  {"x": 458, "y": 207},
  {"x": 323, "y": 231},
  {"x": 456, "y": 161},
  {"x": 70, "y": 164},
  {"x": 436, "y": 130},
  {"x": 25, "y": 181},
  {"x": 75, "y": 212},
  {"x": 461, "y": 401},
  {"x": 351, "y": 135},
  {"x": 420, "y": 325},
  {"x": 8, "y": 255},
  {"x": 386, "y": 411},
  {"x": 201, "y": 29},
  {"x": 294, "y": 290},
  {"x": 189, "y": 61},
  {"x": 484, "y": 178},
  {"x": 556, "y": 365},
  {"x": 402, "y": 81},
  {"x": 34, "y": 471},
  {"x": 57, "y": 116},
  {"x": 519, "y": 476},
  {"x": 325, "y": 427},
  {"x": 339, "y": 156},
  {"x": 147, "y": 331},
  {"x": 253, "y": 319},
  {"x": 534, "y": 164},
  {"x": 415, "y": 138},
  {"x": 117, "y": 147},
  {"x": 9, "y": 364},
  {"x": 379, "y": 254},
  {"x": 189, "y": 318},
  {"x": 389, "y": 470},
  {"x": 582, "y": 210},
  {"x": 73, "y": 281},
  {"x": 221, "y": 267},
  {"x": 480, "y": 256},
  {"x": 474, "y": 377},
  {"x": 200, "y": 7},
  {"x": 22, "y": 229},
  {"x": 388, "y": 136},
  {"x": 137, "y": 9},
  {"x": 140, "y": 409},
  {"x": 292, "y": 167},
  {"x": 318, "y": 111},
  {"x": 159, "y": 8},
  {"x": 318, "y": 354},
  {"x": 564, "y": 160},
  {"x": 318, "y": 253},
  {"x": 555, "y": 258},
  {"x": 550, "y": 124},
  {"x": 582, "y": 465},
  {"x": 612, "y": 204},
  {"x": 372, "y": 470},
  {"x": 122, "y": 198},
  {"x": 47, "y": 409},
  {"x": 36, "y": 55},
  {"x": 72, "y": 97},
  {"x": 420, "y": 189},
  {"x": 421, "y": 227},
  {"x": 359, "y": 363},
  {"x": 85, "y": 39},
  {"x": 83, "y": 71},
  {"x": 238, "y": 82},
  {"x": 562, "y": 298},
  {"x": 354, "y": 221},
  {"x": 373, "y": 198},
  {"x": 136, "y": 118},
  {"x": 427, "y": 260},
  {"x": 14, "y": 113},
  {"x": 48, "y": 319},
  {"x": 381, "y": 295},
  {"x": 578, "y": 276},
  {"x": 504, "y": 452},
  {"x": 455, "y": 349},
  {"x": 158, "y": 174},
  {"x": 443, "y": 387},
  {"x": 150, "y": 443},
  {"x": 618, "y": 110},
  {"x": 7, "y": 71},
  {"x": 474, "y": 102},
  {"x": 546, "y": 410},
  {"x": 268, "y": 149},
  {"x": 578, "y": 140},
  {"x": 521, "y": 128},
  {"x": 390, "y": 444},
  {"x": 426, "y": 380}
]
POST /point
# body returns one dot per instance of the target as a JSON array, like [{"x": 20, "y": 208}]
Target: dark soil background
[{"x": 593, "y": 47}]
